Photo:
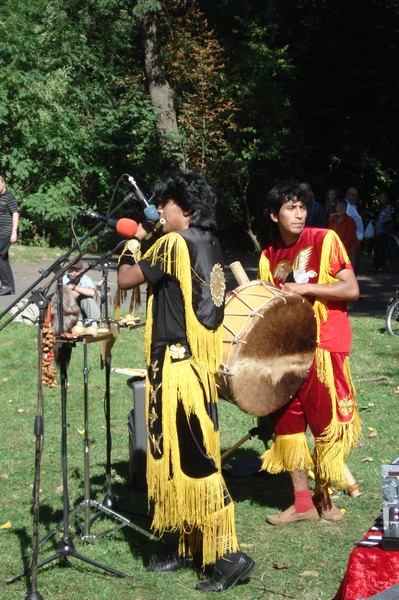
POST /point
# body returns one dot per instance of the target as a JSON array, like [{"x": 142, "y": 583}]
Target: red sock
[{"x": 303, "y": 501}]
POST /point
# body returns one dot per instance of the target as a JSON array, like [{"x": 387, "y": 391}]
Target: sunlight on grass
[
  {"x": 283, "y": 557},
  {"x": 34, "y": 254}
]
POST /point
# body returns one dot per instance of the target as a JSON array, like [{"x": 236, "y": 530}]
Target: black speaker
[{"x": 137, "y": 434}]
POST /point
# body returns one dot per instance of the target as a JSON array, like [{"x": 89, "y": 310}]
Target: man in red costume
[{"x": 313, "y": 263}]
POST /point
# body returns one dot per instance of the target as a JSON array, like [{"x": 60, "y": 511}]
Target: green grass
[
  {"x": 303, "y": 561},
  {"x": 34, "y": 254}
]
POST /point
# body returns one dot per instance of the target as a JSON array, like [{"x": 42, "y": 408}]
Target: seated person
[{"x": 85, "y": 292}]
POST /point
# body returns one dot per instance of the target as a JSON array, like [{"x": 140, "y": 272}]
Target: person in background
[
  {"x": 316, "y": 215},
  {"x": 185, "y": 312},
  {"x": 313, "y": 263},
  {"x": 84, "y": 291},
  {"x": 344, "y": 226},
  {"x": 381, "y": 231},
  {"x": 352, "y": 199},
  {"x": 9, "y": 219},
  {"x": 330, "y": 201}
]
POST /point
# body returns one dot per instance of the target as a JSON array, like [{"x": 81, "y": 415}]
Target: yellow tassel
[
  {"x": 333, "y": 446},
  {"x": 287, "y": 453},
  {"x": 206, "y": 345},
  {"x": 183, "y": 503}
]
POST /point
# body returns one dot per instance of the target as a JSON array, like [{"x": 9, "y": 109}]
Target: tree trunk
[{"x": 161, "y": 94}]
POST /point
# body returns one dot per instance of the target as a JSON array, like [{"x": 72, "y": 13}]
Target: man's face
[
  {"x": 73, "y": 272},
  {"x": 352, "y": 195},
  {"x": 175, "y": 218},
  {"x": 290, "y": 219}
]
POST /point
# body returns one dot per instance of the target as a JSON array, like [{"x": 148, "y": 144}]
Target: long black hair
[{"x": 192, "y": 193}]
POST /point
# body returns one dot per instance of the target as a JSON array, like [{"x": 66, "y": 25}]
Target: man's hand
[{"x": 296, "y": 288}]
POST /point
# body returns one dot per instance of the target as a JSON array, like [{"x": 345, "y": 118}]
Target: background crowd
[{"x": 357, "y": 226}]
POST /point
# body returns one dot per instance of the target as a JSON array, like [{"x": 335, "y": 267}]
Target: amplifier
[
  {"x": 137, "y": 434},
  {"x": 390, "y": 505}
]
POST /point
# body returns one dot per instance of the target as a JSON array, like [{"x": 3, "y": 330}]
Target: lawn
[{"x": 303, "y": 561}]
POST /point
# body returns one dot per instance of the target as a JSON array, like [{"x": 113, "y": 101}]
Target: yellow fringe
[
  {"x": 182, "y": 503},
  {"x": 287, "y": 453},
  {"x": 215, "y": 538},
  {"x": 332, "y": 248},
  {"x": 333, "y": 445},
  {"x": 132, "y": 248},
  {"x": 206, "y": 345}
]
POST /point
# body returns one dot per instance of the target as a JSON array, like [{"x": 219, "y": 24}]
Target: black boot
[
  {"x": 227, "y": 572},
  {"x": 172, "y": 563}
]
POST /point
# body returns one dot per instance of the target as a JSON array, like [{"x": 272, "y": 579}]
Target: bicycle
[{"x": 392, "y": 316}]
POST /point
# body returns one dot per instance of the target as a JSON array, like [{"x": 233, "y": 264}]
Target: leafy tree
[
  {"x": 261, "y": 145},
  {"x": 73, "y": 108},
  {"x": 245, "y": 92}
]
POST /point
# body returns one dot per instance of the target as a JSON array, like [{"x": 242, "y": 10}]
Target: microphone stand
[
  {"x": 55, "y": 267},
  {"x": 38, "y": 430},
  {"x": 39, "y": 298},
  {"x": 66, "y": 547}
]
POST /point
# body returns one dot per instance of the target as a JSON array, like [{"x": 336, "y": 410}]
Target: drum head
[{"x": 272, "y": 362}]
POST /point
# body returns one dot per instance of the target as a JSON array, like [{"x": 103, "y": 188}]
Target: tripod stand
[{"x": 66, "y": 547}]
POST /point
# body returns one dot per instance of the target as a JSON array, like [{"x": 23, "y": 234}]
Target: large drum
[{"x": 269, "y": 339}]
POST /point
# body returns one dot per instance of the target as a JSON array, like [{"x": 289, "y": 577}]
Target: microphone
[
  {"x": 124, "y": 227},
  {"x": 101, "y": 218},
  {"x": 150, "y": 212}
]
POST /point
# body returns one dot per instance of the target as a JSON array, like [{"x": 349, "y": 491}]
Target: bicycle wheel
[{"x": 392, "y": 318}]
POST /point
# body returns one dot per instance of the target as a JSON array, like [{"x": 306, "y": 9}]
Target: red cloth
[
  {"x": 312, "y": 403},
  {"x": 369, "y": 571}
]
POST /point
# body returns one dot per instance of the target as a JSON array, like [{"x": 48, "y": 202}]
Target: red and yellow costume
[{"x": 326, "y": 400}]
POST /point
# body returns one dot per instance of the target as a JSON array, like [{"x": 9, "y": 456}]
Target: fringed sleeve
[
  {"x": 206, "y": 347},
  {"x": 264, "y": 271},
  {"x": 130, "y": 255}
]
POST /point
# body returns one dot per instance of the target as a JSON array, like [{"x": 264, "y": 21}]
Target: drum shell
[{"x": 269, "y": 339}]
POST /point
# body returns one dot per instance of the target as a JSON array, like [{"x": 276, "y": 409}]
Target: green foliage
[
  {"x": 263, "y": 91},
  {"x": 146, "y": 6},
  {"x": 78, "y": 109}
]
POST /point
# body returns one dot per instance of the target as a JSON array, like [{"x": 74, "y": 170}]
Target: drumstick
[
  {"x": 247, "y": 437},
  {"x": 239, "y": 272},
  {"x": 353, "y": 489}
]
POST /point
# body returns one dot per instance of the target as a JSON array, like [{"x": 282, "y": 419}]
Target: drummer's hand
[{"x": 296, "y": 288}]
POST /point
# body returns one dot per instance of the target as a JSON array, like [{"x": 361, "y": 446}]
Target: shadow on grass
[
  {"x": 260, "y": 489},
  {"x": 246, "y": 482}
]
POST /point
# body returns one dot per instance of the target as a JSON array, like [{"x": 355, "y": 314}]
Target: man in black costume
[{"x": 184, "y": 351}]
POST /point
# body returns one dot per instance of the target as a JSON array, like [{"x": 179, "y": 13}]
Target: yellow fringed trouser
[
  {"x": 325, "y": 402},
  {"x": 200, "y": 508}
]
